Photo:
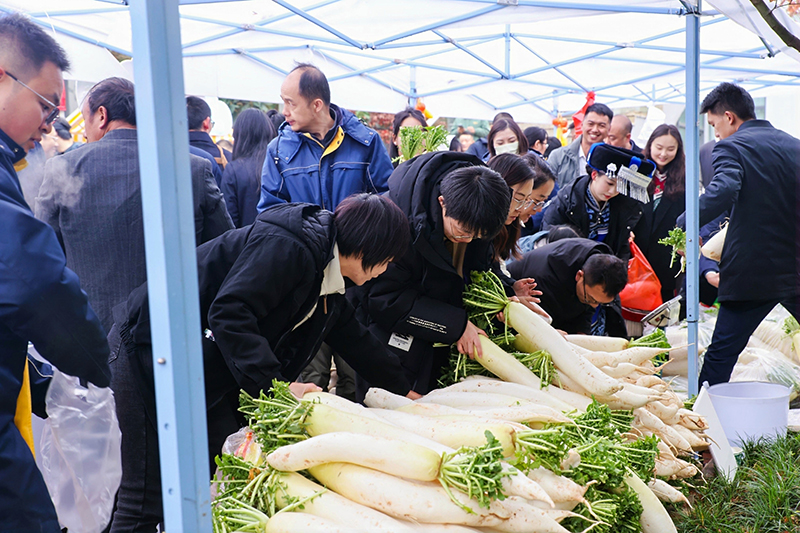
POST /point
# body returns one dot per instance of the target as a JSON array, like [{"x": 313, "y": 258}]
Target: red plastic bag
[{"x": 642, "y": 294}]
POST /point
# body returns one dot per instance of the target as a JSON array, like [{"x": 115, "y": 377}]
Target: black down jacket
[
  {"x": 419, "y": 295},
  {"x": 256, "y": 284}
]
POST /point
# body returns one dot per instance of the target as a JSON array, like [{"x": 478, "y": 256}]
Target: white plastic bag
[
  {"x": 767, "y": 365},
  {"x": 79, "y": 454}
]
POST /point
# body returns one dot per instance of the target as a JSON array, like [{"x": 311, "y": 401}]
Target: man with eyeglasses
[
  {"x": 576, "y": 276},
  {"x": 40, "y": 298}
]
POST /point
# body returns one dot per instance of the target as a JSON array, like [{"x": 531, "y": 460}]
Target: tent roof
[{"x": 468, "y": 58}]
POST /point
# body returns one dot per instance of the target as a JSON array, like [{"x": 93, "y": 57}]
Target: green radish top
[
  {"x": 677, "y": 239},
  {"x": 656, "y": 339},
  {"x": 461, "y": 366}
]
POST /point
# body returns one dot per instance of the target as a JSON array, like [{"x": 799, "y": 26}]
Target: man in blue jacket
[
  {"x": 322, "y": 153},
  {"x": 757, "y": 177},
  {"x": 40, "y": 298}
]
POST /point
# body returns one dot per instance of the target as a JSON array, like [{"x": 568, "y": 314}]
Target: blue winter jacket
[
  {"x": 40, "y": 301},
  {"x": 298, "y": 168}
]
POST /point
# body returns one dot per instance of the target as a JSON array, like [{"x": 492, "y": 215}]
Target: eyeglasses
[
  {"x": 455, "y": 230},
  {"x": 519, "y": 205},
  {"x": 53, "y": 112},
  {"x": 589, "y": 300}
]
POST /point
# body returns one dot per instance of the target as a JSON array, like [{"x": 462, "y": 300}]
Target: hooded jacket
[
  {"x": 569, "y": 207},
  {"x": 298, "y": 168},
  {"x": 419, "y": 296},
  {"x": 40, "y": 301},
  {"x": 257, "y": 284}
]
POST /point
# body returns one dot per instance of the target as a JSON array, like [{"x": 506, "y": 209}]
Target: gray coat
[
  {"x": 92, "y": 199},
  {"x": 565, "y": 162}
]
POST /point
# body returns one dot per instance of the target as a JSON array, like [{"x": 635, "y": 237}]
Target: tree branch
[{"x": 790, "y": 39}]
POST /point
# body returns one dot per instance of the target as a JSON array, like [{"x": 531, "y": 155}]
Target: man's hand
[
  {"x": 469, "y": 343},
  {"x": 713, "y": 279},
  {"x": 299, "y": 389},
  {"x": 413, "y": 395}
]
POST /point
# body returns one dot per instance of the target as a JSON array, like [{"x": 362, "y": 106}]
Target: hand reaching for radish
[
  {"x": 412, "y": 395},
  {"x": 524, "y": 288},
  {"x": 469, "y": 343},
  {"x": 299, "y": 389}
]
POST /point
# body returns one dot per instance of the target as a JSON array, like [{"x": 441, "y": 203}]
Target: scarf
[
  {"x": 599, "y": 218},
  {"x": 660, "y": 180}
]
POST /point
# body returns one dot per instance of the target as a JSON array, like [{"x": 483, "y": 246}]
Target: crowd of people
[{"x": 313, "y": 247}]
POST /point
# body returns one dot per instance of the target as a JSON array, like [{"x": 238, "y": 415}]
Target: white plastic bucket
[{"x": 751, "y": 409}]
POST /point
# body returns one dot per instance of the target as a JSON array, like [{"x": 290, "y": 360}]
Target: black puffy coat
[
  {"x": 569, "y": 207},
  {"x": 256, "y": 284},
  {"x": 419, "y": 295}
]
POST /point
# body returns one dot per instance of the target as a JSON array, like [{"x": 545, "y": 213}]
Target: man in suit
[
  {"x": 40, "y": 298},
  {"x": 569, "y": 162},
  {"x": 757, "y": 176},
  {"x": 92, "y": 198}
]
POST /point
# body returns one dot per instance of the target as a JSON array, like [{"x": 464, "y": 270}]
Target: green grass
[{"x": 763, "y": 498}]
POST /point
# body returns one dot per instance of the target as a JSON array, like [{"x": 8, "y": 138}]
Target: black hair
[
  {"x": 563, "y": 231},
  {"x": 252, "y": 132},
  {"x": 116, "y": 95},
  {"x": 600, "y": 109},
  {"x": 455, "y": 144},
  {"x": 514, "y": 170},
  {"x": 416, "y": 114},
  {"x": 276, "y": 117},
  {"x": 608, "y": 271},
  {"x": 313, "y": 83},
  {"x": 371, "y": 227},
  {"x": 534, "y": 134},
  {"x": 62, "y": 127},
  {"x": 542, "y": 173},
  {"x": 477, "y": 198},
  {"x": 675, "y": 183},
  {"x": 502, "y": 125},
  {"x": 729, "y": 97},
  {"x": 502, "y": 116},
  {"x": 197, "y": 110},
  {"x": 552, "y": 143},
  {"x": 27, "y": 47}
]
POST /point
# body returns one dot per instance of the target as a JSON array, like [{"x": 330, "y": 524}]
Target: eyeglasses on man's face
[
  {"x": 588, "y": 299},
  {"x": 51, "y": 109}
]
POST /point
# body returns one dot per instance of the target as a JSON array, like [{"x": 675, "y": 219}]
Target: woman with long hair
[
  {"x": 667, "y": 192},
  {"x": 408, "y": 117},
  {"x": 506, "y": 137},
  {"x": 241, "y": 181}
]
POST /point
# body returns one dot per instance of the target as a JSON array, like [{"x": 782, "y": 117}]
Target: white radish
[
  {"x": 379, "y": 453},
  {"x": 430, "y": 409},
  {"x": 338, "y": 403},
  {"x": 383, "y": 399},
  {"x": 505, "y": 366},
  {"x": 695, "y": 441},
  {"x": 334, "y": 507},
  {"x": 678, "y": 367},
  {"x": 667, "y": 467},
  {"x": 442, "y": 528},
  {"x": 640, "y": 354},
  {"x": 666, "y": 492},
  {"x": 542, "y": 335},
  {"x": 644, "y": 418},
  {"x": 292, "y": 522},
  {"x": 471, "y": 400},
  {"x": 560, "y": 488},
  {"x": 713, "y": 248},
  {"x": 598, "y": 359},
  {"x": 598, "y": 344},
  {"x": 453, "y": 434},
  {"x": 539, "y": 396},
  {"x": 667, "y": 413},
  {"x": 692, "y": 420},
  {"x": 654, "y": 519},
  {"x": 620, "y": 371}
]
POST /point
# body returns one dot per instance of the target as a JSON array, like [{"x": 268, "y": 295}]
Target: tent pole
[
  {"x": 171, "y": 265},
  {"x": 692, "y": 187}
]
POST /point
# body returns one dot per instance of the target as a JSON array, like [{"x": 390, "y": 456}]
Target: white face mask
[{"x": 508, "y": 148}]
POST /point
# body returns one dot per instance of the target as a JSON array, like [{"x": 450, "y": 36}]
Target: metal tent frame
[{"x": 169, "y": 233}]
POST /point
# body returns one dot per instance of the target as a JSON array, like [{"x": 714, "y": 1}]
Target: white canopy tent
[{"x": 465, "y": 58}]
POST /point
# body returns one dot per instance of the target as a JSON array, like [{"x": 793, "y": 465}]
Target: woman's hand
[
  {"x": 525, "y": 288},
  {"x": 299, "y": 389},
  {"x": 413, "y": 395},
  {"x": 469, "y": 343}
]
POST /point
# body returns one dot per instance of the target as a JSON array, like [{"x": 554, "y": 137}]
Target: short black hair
[
  {"x": 563, "y": 231},
  {"x": 478, "y": 198},
  {"x": 534, "y": 134},
  {"x": 455, "y": 144},
  {"x": 372, "y": 227},
  {"x": 553, "y": 143},
  {"x": 25, "y": 47},
  {"x": 502, "y": 115},
  {"x": 252, "y": 132},
  {"x": 608, "y": 271},
  {"x": 62, "y": 127},
  {"x": 197, "y": 110},
  {"x": 600, "y": 109},
  {"x": 313, "y": 83},
  {"x": 542, "y": 173},
  {"x": 117, "y": 96},
  {"x": 276, "y": 117},
  {"x": 729, "y": 97}
]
